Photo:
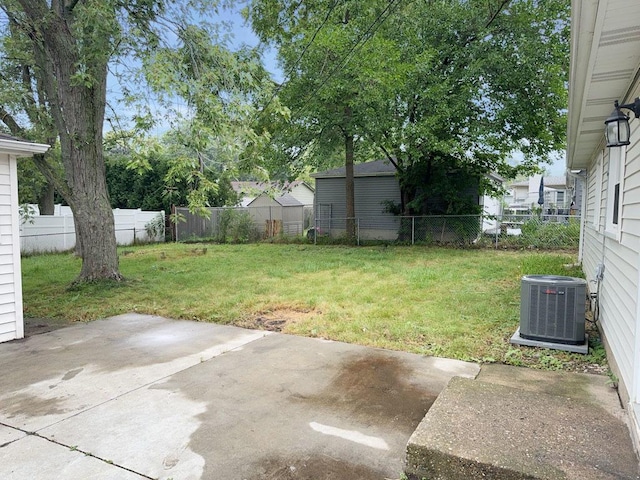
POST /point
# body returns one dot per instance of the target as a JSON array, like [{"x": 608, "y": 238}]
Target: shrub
[
  {"x": 551, "y": 235},
  {"x": 154, "y": 228},
  {"x": 236, "y": 227}
]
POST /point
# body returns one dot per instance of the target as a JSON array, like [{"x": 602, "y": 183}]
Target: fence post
[
  {"x": 358, "y": 231},
  {"x": 413, "y": 230}
]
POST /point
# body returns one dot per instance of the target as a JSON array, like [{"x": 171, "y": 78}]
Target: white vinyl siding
[
  {"x": 618, "y": 248},
  {"x": 614, "y": 197},
  {"x": 303, "y": 194},
  {"x": 11, "y": 325},
  {"x": 630, "y": 206},
  {"x": 11, "y": 315},
  {"x": 597, "y": 193}
]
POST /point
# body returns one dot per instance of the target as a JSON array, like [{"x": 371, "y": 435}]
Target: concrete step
[{"x": 516, "y": 423}]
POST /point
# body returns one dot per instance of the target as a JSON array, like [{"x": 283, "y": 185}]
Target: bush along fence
[
  {"x": 242, "y": 224},
  {"x": 251, "y": 224},
  {"x": 56, "y": 233},
  {"x": 525, "y": 231}
]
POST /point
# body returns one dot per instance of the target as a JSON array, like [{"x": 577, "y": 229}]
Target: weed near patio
[{"x": 445, "y": 302}]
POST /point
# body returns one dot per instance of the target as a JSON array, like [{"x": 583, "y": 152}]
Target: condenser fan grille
[{"x": 552, "y": 308}]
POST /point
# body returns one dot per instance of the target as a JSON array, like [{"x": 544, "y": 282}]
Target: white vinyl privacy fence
[{"x": 56, "y": 233}]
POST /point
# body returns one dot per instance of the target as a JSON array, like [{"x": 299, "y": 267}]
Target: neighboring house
[
  {"x": 605, "y": 62},
  {"x": 301, "y": 191},
  {"x": 249, "y": 191},
  {"x": 11, "y": 315},
  {"x": 376, "y": 188},
  {"x": 523, "y": 195}
]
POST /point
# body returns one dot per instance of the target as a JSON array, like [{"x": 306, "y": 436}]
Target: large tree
[
  {"x": 445, "y": 90},
  {"x": 161, "y": 173},
  {"x": 67, "y": 50},
  {"x": 330, "y": 54},
  {"x": 71, "y": 43},
  {"x": 21, "y": 92},
  {"x": 482, "y": 81}
]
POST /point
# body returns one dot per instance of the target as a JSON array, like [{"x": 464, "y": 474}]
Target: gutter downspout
[{"x": 581, "y": 176}]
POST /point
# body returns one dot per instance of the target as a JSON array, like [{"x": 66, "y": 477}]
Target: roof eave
[
  {"x": 359, "y": 175},
  {"x": 22, "y": 149},
  {"x": 583, "y": 21},
  {"x": 604, "y": 64}
]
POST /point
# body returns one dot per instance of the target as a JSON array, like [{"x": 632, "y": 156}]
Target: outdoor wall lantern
[{"x": 617, "y": 125}]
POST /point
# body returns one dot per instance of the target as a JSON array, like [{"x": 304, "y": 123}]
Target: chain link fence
[
  {"x": 250, "y": 224},
  {"x": 242, "y": 224},
  {"x": 508, "y": 231}
]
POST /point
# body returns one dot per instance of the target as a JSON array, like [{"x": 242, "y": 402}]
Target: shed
[
  {"x": 11, "y": 316},
  {"x": 280, "y": 215},
  {"x": 375, "y": 187}
]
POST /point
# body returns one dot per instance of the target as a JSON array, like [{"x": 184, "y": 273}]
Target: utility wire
[
  {"x": 299, "y": 59},
  {"x": 362, "y": 40}
]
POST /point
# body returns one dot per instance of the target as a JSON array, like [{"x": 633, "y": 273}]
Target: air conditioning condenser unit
[{"x": 552, "y": 311}]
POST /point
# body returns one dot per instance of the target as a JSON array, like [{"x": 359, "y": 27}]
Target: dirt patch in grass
[
  {"x": 277, "y": 319},
  {"x": 35, "y": 326}
]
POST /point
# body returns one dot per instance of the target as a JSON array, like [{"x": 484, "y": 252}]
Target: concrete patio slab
[
  {"x": 51, "y": 461},
  {"x": 521, "y": 424},
  {"x": 57, "y": 374},
  {"x": 158, "y": 398},
  {"x": 8, "y": 435}
]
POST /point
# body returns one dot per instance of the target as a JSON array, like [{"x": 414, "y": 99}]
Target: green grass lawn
[{"x": 445, "y": 302}]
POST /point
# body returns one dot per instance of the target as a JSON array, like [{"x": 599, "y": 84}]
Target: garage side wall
[
  {"x": 371, "y": 195},
  {"x": 11, "y": 317}
]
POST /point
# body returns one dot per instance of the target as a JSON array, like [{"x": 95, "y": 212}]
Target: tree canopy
[
  {"x": 445, "y": 90},
  {"x": 152, "y": 183}
]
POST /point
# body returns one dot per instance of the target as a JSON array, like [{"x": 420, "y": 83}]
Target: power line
[
  {"x": 297, "y": 62},
  {"x": 364, "y": 38}
]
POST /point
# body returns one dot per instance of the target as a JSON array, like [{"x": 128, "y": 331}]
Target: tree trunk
[
  {"x": 46, "y": 203},
  {"x": 350, "y": 189},
  {"x": 89, "y": 201},
  {"x": 75, "y": 84}
]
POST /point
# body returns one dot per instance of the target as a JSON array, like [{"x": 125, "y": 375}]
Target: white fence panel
[
  {"x": 51, "y": 233},
  {"x": 47, "y": 234}
]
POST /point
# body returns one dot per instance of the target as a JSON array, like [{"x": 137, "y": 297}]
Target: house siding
[
  {"x": 11, "y": 320},
  {"x": 618, "y": 293},
  {"x": 303, "y": 194}
]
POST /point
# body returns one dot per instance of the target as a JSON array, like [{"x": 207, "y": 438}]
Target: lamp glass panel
[
  {"x": 624, "y": 132},
  {"x": 617, "y": 132}
]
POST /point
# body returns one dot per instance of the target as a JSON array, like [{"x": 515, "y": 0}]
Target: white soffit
[{"x": 605, "y": 57}]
